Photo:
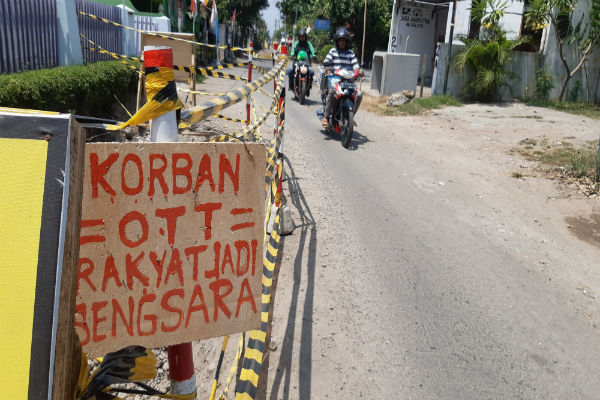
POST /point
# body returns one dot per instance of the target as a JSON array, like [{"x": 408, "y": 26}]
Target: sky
[{"x": 270, "y": 15}]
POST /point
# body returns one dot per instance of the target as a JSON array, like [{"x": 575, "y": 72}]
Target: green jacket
[{"x": 306, "y": 46}]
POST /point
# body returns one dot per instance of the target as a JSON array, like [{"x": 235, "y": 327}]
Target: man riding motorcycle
[
  {"x": 340, "y": 57},
  {"x": 301, "y": 45}
]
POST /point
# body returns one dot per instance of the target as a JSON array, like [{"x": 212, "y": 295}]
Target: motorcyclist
[
  {"x": 301, "y": 45},
  {"x": 340, "y": 57}
]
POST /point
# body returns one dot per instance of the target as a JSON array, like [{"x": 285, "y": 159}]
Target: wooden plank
[
  {"x": 39, "y": 247},
  {"x": 68, "y": 349},
  {"x": 171, "y": 243}
]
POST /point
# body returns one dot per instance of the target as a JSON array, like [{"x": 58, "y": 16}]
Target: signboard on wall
[
  {"x": 322, "y": 24},
  {"x": 171, "y": 243}
]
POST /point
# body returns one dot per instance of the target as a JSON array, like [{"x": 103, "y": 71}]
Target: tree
[
  {"x": 572, "y": 26},
  {"x": 339, "y": 12}
]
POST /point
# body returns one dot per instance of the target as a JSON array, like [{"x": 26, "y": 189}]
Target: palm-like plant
[{"x": 487, "y": 62}]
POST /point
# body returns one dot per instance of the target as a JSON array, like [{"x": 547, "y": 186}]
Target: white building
[{"x": 418, "y": 27}]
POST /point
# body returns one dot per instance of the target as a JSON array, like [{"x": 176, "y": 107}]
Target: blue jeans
[{"x": 290, "y": 74}]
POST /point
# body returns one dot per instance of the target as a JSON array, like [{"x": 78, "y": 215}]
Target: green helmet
[{"x": 302, "y": 55}]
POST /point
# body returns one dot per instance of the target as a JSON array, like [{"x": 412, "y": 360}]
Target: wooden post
[
  {"x": 68, "y": 350},
  {"x": 423, "y": 73},
  {"x": 139, "y": 90}
]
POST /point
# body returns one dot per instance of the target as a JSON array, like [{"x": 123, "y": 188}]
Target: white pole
[
  {"x": 392, "y": 27},
  {"x": 164, "y": 127}
]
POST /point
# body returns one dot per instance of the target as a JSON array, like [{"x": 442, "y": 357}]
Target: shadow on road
[
  {"x": 358, "y": 139},
  {"x": 307, "y": 231}
]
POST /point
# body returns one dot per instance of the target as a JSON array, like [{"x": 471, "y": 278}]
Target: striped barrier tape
[
  {"x": 95, "y": 17},
  {"x": 244, "y": 133},
  {"x": 243, "y": 121},
  {"x": 247, "y": 385},
  {"x": 201, "y": 93},
  {"x": 260, "y": 69},
  {"x": 269, "y": 56},
  {"x": 208, "y": 72},
  {"x": 113, "y": 55},
  {"x": 215, "y": 105},
  {"x": 234, "y": 366},
  {"x": 257, "y": 131},
  {"x": 263, "y": 91}
]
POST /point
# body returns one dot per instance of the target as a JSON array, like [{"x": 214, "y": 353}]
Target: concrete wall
[
  {"x": 523, "y": 65},
  {"x": 588, "y": 75}
]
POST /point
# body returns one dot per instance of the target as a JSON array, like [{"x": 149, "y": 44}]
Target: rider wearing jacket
[
  {"x": 340, "y": 57},
  {"x": 301, "y": 45}
]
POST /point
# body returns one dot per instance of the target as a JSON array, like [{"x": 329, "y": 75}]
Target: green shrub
[
  {"x": 323, "y": 52},
  {"x": 85, "y": 90},
  {"x": 544, "y": 83}
]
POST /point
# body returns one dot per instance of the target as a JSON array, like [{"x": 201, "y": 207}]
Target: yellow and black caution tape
[
  {"x": 215, "y": 105},
  {"x": 243, "y": 121},
  {"x": 234, "y": 367},
  {"x": 95, "y": 17},
  {"x": 121, "y": 58},
  {"x": 247, "y": 384},
  {"x": 161, "y": 94},
  {"x": 201, "y": 92},
  {"x": 263, "y": 91},
  {"x": 208, "y": 72},
  {"x": 257, "y": 131},
  {"x": 244, "y": 133},
  {"x": 260, "y": 69},
  {"x": 226, "y": 66},
  {"x": 269, "y": 56}
]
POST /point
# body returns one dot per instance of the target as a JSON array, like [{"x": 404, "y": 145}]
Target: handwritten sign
[{"x": 171, "y": 243}]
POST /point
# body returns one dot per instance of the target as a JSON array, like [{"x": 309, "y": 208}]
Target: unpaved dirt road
[{"x": 421, "y": 269}]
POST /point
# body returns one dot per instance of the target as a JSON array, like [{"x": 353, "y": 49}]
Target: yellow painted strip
[
  {"x": 250, "y": 376},
  {"x": 254, "y": 354},
  {"x": 267, "y": 281},
  {"x": 243, "y": 396},
  {"x": 258, "y": 335},
  {"x": 264, "y": 316},
  {"x": 23, "y": 166}
]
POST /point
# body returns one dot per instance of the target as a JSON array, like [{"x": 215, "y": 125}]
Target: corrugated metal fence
[
  {"x": 105, "y": 35},
  {"x": 28, "y": 30}
]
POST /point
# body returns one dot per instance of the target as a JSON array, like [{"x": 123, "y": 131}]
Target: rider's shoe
[{"x": 324, "y": 122}]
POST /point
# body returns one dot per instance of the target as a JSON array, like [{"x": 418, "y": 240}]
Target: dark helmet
[
  {"x": 302, "y": 32},
  {"x": 342, "y": 33}
]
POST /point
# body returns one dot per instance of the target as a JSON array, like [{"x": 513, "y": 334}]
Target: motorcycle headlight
[{"x": 303, "y": 69}]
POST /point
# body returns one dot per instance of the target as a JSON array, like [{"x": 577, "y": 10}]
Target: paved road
[{"x": 388, "y": 289}]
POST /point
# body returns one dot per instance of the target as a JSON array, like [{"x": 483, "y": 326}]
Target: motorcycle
[
  {"x": 302, "y": 81},
  {"x": 342, "y": 115}
]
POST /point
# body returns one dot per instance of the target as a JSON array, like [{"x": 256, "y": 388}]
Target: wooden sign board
[
  {"x": 183, "y": 52},
  {"x": 41, "y": 157},
  {"x": 171, "y": 243}
]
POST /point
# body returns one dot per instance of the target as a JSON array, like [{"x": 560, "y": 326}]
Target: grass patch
[
  {"x": 414, "y": 107},
  {"x": 583, "y": 109},
  {"x": 517, "y": 175},
  {"x": 579, "y": 163},
  {"x": 419, "y": 106}
]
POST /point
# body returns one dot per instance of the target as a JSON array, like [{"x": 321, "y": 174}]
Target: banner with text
[{"x": 171, "y": 243}]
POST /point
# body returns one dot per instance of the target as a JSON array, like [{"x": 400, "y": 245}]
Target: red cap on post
[{"x": 159, "y": 57}]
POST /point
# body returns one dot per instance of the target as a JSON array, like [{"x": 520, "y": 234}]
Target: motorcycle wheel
[
  {"x": 303, "y": 88},
  {"x": 347, "y": 127}
]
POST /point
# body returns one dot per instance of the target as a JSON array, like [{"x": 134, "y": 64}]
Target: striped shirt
[{"x": 343, "y": 59}]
